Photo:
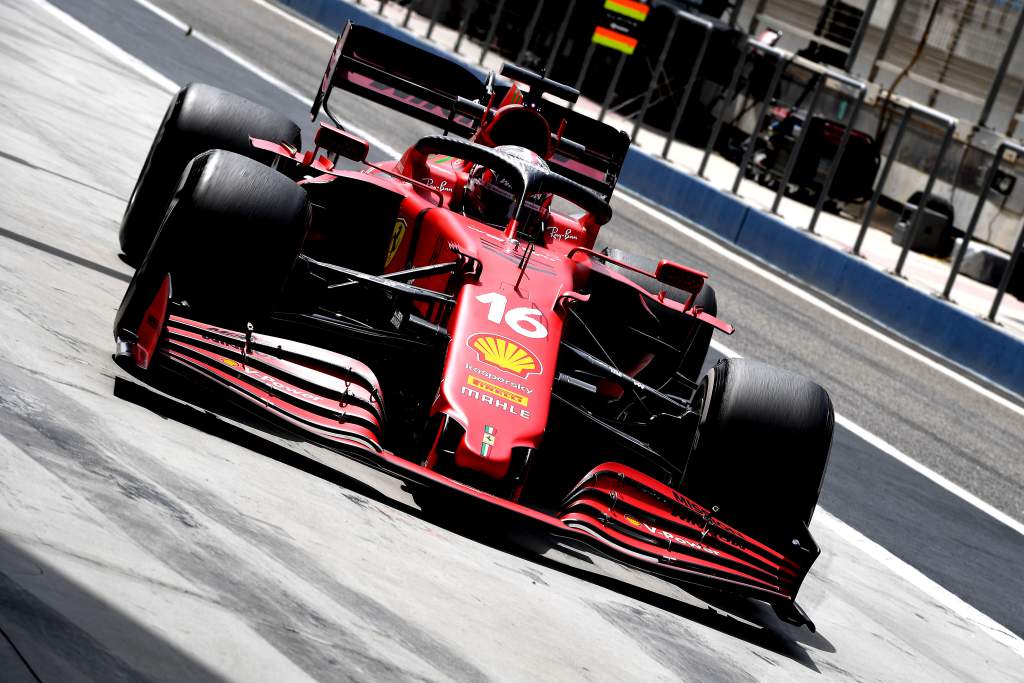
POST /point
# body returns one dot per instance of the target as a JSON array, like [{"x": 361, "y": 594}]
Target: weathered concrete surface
[{"x": 135, "y": 544}]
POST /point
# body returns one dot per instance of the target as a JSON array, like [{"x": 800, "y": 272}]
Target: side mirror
[
  {"x": 680, "y": 277},
  {"x": 341, "y": 142}
]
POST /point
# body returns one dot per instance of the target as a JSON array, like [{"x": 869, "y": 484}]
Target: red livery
[{"x": 449, "y": 317}]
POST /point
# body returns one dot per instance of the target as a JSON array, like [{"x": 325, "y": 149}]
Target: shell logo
[
  {"x": 230, "y": 363},
  {"x": 505, "y": 354},
  {"x": 632, "y": 520}
]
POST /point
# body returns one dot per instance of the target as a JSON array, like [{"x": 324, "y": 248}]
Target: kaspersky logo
[{"x": 505, "y": 354}]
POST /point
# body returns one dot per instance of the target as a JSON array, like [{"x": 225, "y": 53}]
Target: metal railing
[
  {"x": 824, "y": 79},
  {"x": 1007, "y": 274},
  {"x": 910, "y": 110},
  {"x": 707, "y": 27},
  {"x": 781, "y": 59},
  {"x": 958, "y": 259}
]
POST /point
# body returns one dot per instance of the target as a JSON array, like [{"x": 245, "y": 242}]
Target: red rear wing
[
  {"x": 400, "y": 76},
  {"x": 428, "y": 86}
]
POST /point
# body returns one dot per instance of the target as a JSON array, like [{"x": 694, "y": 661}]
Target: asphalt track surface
[{"x": 60, "y": 285}]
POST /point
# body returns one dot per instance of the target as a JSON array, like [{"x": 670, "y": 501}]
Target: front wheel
[
  {"x": 762, "y": 446},
  {"x": 199, "y": 118},
  {"x": 229, "y": 241}
]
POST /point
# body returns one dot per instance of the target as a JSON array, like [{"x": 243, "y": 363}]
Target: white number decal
[
  {"x": 523, "y": 320},
  {"x": 495, "y": 305}
]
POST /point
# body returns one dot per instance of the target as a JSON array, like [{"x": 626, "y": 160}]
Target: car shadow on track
[
  {"x": 39, "y": 642},
  {"x": 749, "y": 620}
]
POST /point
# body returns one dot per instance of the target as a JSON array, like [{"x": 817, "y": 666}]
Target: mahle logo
[{"x": 505, "y": 354}]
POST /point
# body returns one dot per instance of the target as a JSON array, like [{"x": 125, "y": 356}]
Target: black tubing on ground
[
  {"x": 229, "y": 241},
  {"x": 198, "y": 119},
  {"x": 762, "y": 447}
]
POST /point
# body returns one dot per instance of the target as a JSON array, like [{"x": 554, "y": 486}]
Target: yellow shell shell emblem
[{"x": 505, "y": 354}]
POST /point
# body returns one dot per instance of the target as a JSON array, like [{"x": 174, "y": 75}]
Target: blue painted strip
[{"x": 927, "y": 320}]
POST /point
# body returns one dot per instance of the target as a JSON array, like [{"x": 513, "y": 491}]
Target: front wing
[{"x": 615, "y": 510}]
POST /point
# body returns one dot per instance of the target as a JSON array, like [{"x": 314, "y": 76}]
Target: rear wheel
[
  {"x": 762, "y": 446},
  {"x": 229, "y": 240},
  {"x": 199, "y": 118}
]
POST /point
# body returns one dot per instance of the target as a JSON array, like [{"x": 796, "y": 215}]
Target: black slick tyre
[
  {"x": 762, "y": 446},
  {"x": 229, "y": 241},
  {"x": 198, "y": 119}
]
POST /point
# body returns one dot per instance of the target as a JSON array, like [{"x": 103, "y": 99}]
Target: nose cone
[{"x": 501, "y": 360}]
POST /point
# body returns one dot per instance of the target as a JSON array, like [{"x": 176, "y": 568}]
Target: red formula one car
[{"x": 447, "y": 318}]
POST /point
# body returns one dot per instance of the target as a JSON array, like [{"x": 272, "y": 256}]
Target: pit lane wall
[{"x": 937, "y": 325}]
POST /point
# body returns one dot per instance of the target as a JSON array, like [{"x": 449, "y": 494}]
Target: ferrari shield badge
[{"x": 397, "y": 235}]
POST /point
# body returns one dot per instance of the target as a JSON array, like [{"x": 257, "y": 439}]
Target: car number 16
[{"x": 523, "y": 320}]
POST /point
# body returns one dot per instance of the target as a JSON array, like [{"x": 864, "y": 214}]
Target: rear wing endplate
[
  {"x": 400, "y": 76},
  {"x": 429, "y": 86}
]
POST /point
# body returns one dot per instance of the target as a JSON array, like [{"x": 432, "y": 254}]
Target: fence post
[
  {"x": 584, "y": 68},
  {"x": 559, "y": 37},
  {"x": 881, "y": 181},
  {"x": 993, "y": 92},
  {"x": 464, "y": 25},
  {"x": 883, "y": 46},
  {"x": 753, "y": 17},
  {"x": 858, "y": 37},
  {"x": 433, "y": 19},
  {"x": 834, "y": 168},
  {"x": 1007, "y": 274},
  {"x": 915, "y": 223},
  {"x": 489, "y": 43},
  {"x": 986, "y": 188},
  {"x": 408, "y": 14},
  {"x": 794, "y": 155},
  {"x": 611, "y": 86},
  {"x": 657, "y": 74},
  {"x": 730, "y": 93},
  {"x": 530, "y": 28},
  {"x": 762, "y": 112},
  {"x": 692, "y": 80}
]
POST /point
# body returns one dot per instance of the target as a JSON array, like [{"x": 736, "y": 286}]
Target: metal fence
[{"x": 762, "y": 77}]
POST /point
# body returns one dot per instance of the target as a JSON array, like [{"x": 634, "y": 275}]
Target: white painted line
[
  {"x": 297, "y": 21},
  {"x": 918, "y": 580},
  {"x": 114, "y": 51},
  {"x": 166, "y": 16},
  {"x": 852, "y": 536}
]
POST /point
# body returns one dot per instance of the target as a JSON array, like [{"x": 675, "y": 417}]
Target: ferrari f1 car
[{"x": 447, "y": 317}]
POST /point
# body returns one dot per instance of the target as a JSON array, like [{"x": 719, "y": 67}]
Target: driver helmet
[{"x": 491, "y": 198}]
